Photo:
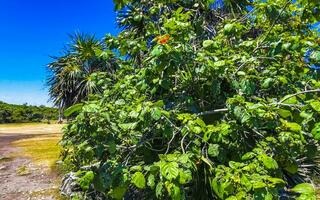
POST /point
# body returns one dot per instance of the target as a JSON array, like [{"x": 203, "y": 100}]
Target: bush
[{"x": 212, "y": 102}]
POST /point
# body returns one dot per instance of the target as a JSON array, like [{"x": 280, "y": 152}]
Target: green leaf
[
  {"x": 156, "y": 114},
  {"x": 213, "y": 150},
  {"x": 247, "y": 87},
  {"x": 136, "y": 168},
  {"x": 248, "y": 156},
  {"x": 291, "y": 126},
  {"x": 138, "y": 180},
  {"x": 207, "y": 43},
  {"x": 86, "y": 180},
  {"x": 170, "y": 170},
  {"x": 216, "y": 186},
  {"x": 133, "y": 114},
  {"x": 316, "y": 131},
  {"x": 159, "y": 190},
  {"x": 306, "y": 115},
  {"x": 128, "y": 126},
  {"x": 267, "y": 83},
  {"x": 246, "y": 183},
  {"x": 196, "y": 129},
  {"x": 241, "y": 73},
  {"x": 219, "y": 63},
  {"x": 185, "y": 177},
  {"x": 291, "y": 100},
  {"x": 73, "y": 109},
  {"x": 174, "y": 191},
  {"x": 285, "y": 113},
  {"x": 276, "y": 181},
  {"x": 156, "y": 51},
  {"x": 259, "y": 184},
  {"x": 228, "y": 28},
  {"x": 303, "y": 188},
  {"x": 315, "y": 105},
  {"x": 151, "y": 181},
  {"x": 268, "y": 162}
]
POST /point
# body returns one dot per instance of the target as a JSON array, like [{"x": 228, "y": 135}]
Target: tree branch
[
  {"x": 298, "y": 93},
  {"x": 213, "y": 111}
]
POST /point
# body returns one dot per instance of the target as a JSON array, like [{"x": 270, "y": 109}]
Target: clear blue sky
[{"x": 32, "y": 30}]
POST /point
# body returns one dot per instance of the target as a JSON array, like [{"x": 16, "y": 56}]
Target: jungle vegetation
[{"x": 208, "y": 100}]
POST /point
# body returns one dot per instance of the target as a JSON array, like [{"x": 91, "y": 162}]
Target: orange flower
[{"x": 163, "y": 39}]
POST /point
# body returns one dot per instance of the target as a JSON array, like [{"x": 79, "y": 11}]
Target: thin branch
[
  {"x": 169, "y": 143},
  {"x": 182, "y": 141},
  {"x": 213, "y": 112},
  {"x": 298, "y": 93}
]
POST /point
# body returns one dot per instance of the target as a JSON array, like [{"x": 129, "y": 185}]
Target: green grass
[{"x": 43, "y": 150}]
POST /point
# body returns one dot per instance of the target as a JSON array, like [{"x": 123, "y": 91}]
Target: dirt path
[{"x": 21, "y": 177}]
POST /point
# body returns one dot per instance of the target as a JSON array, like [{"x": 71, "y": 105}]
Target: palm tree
[{"x": 73, "y": 76}]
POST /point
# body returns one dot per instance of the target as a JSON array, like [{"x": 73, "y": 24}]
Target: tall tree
[{"x": 73, "y": 76}]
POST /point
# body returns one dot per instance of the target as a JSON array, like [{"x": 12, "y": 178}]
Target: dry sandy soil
[{"x": 22, "y": 175}]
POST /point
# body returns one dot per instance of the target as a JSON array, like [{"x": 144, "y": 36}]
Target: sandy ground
[
  {"x": 29, "y": 129},
  {"x": 20, "y": 177}
]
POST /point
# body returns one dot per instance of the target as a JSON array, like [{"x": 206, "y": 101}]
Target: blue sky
[{"x": 32, "y": 30}]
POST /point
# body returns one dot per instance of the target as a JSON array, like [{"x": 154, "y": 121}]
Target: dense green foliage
[
  {"x": 10, "y": 113},
  {"x": 210, "y": 101}
]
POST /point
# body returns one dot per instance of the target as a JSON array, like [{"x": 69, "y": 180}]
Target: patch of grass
[
  {"x": 5, "y": 159},
  {"x": 53, "y": 192},
  {"x": 43, "y": 150},
  {"x": 23, "y": 171}
]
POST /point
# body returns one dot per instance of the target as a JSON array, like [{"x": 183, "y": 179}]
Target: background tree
[
  {"x": 213, "y": 100},
  {"x": 73, "y": 76},
  {"x": 10, "y": 113}
]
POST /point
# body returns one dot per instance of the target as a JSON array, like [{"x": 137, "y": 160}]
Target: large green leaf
[
  {"x": 73, "y": 109},
  {"x": 316, "y": 131},
  {"x": 138, "y": 180},
  {"x": 315, "y": 105},
  {"x": 156, "y": 114},
  {"x": 268, "y": 162},
  {"x": 170, "y": 170},
  {"x": 306, "y": 190}
]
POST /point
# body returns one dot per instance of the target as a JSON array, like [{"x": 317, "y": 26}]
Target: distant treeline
[{"x": 10, "y": 113}]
